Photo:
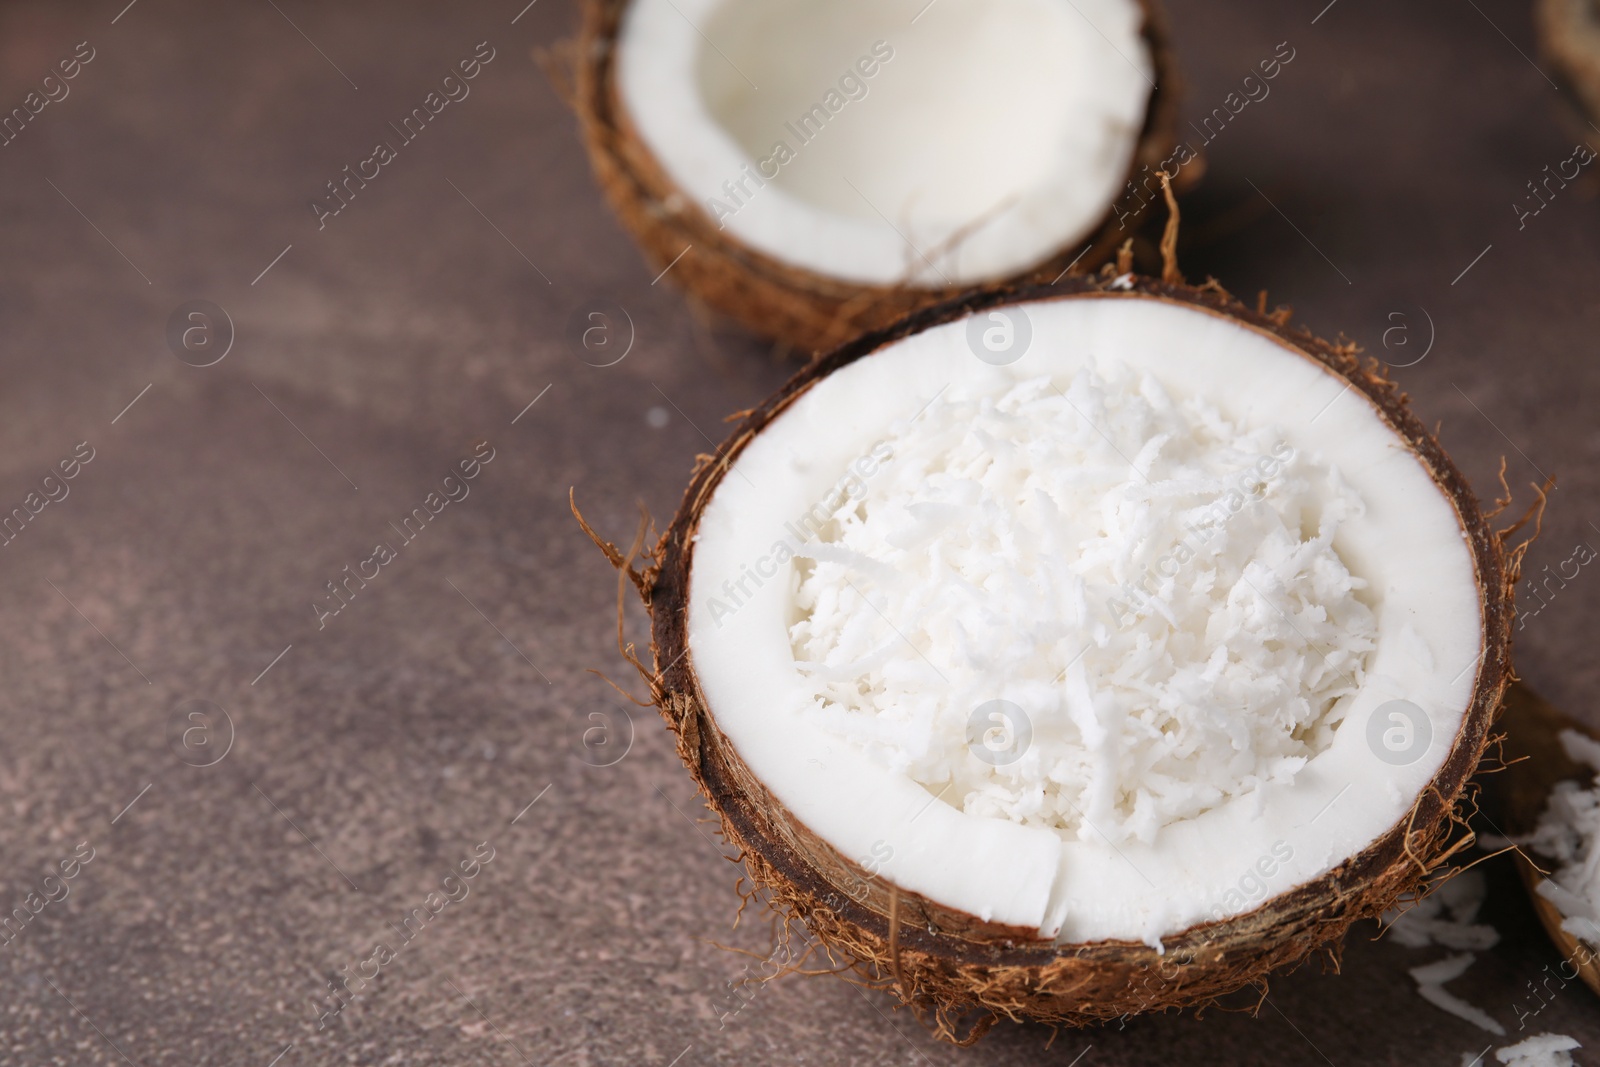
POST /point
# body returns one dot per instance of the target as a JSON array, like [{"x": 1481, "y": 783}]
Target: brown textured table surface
[{"x": 177, "y": 576}]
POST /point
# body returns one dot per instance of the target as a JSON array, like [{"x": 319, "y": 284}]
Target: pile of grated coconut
[
  {"x": 1569, "y": 833},
  {"x": 1154, "y": 587}
]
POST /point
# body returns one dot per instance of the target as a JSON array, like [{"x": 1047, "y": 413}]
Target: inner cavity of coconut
[
  {"x": 1099, "y": 608},
  {"x": 895, "y": 141}
]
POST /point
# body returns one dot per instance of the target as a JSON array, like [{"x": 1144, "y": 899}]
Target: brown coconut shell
[
  {"x": 1569, "y": 37},
  {"x": 953, "y": 966},
  {"x": 804, "y": 310},
  {"x": 1535, "y": 762}
]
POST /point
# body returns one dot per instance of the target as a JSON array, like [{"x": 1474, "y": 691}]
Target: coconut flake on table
[
  {"x": 1445, "y": 917},
  {"x": 1569, "y": 833},
  {"x": 1431, "y": 977},
  {"x": 1541, "y": 1050},
  {"x": 1155, "y": 586}
]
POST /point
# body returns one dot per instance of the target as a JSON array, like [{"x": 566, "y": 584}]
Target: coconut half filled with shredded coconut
[
  {"x": 814, "y": 168},
  {"x": 1081, "y": 652}
]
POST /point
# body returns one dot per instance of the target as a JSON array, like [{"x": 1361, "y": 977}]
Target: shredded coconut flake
[
  {"x": 1431, "y": 977},
  {"x": 1445, "y": 917},
  {"x": 1154, "y": 587},
  {"x": 1541, "y": 1050}
]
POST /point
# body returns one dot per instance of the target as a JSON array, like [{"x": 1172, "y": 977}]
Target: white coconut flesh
[
  {"x": 893, "y": 142},
  {"x": 923, "y": 533}
]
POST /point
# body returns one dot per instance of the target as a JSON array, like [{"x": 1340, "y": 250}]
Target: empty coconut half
[
  {"x": 1081, "y": 651},
  {"x": 823, "y": 167}
]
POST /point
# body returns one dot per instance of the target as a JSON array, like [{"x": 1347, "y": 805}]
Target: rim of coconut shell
[
  {"x": 951, "y": 965},
  {"x": 805, "y": 310}
]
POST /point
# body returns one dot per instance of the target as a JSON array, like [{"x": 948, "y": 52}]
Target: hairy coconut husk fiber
[
  {"x": 959, "y": 972},
  {"x": 807, "y": 311}
]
